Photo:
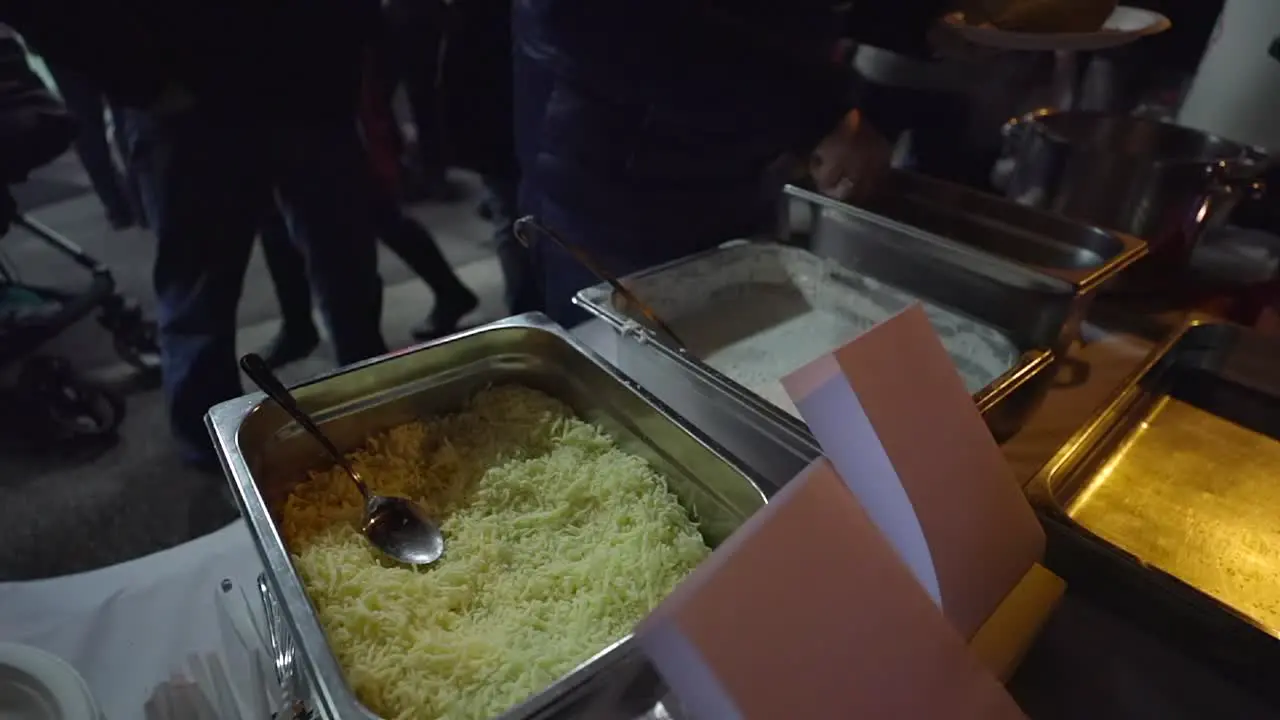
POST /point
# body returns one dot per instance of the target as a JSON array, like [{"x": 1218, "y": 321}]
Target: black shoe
[
  {"x": 289, "y": 346},
  {"x": 445, "y": 316},
  {"x": 121, "y": 221}
]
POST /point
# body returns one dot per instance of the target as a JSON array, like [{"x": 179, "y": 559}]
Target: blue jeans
[{"x": 207, "y": 182}]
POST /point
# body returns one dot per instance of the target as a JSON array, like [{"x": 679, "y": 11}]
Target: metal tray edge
[
  {"x": 942, "y": 248},
  {"x": 1132, "y": 250}
]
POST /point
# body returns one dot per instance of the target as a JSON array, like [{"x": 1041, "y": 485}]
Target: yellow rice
[{"x": 558, "y": 543}]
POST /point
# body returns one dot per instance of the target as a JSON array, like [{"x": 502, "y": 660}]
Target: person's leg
[
  {"x": 415, "y": 32},
  {"x": 288, "y": 268},
  {"x": 533, "y": 85},
  {"x": 124, "y": 138},
  {"x": 557, "y": 275},
  {"x": 522, "y": 292},
  {"x": 86, "y": 105},
  {"x": 203, "y": 190},
  {"x": 321, "y": 173},
  {"x": 418, "y": 249}
]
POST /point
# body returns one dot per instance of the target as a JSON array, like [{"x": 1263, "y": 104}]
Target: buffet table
[{"x": 127, "y": 627}]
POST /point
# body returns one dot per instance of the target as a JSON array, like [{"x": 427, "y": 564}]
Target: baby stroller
[{"x": 44, "y": 403}]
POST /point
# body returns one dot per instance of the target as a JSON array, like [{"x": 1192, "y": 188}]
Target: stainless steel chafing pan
[
  {"x": 1168, "y": 500},
  {"x": 1081, "y": 254},
  {"x": 265, "y": 455},
  {"x": 1016, "y": 274},
  {"x": 1027, "y": 271}
]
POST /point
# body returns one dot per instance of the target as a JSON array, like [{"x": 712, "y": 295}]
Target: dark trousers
[
  {"x": 547, "y": 278},
  {"x": 407, "y": 238},
  {"x": 207, "y": 183},
  {"x": 87, "y": 106},
  {"x": 522, "y": 290},
  {"x": 416, "y": 30},
  {"x": 416, "y": 246},
  {"x": 288, "y": 269}
]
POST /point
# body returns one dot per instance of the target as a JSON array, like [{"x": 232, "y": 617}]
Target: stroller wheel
[{"x": 68, "y": 407}]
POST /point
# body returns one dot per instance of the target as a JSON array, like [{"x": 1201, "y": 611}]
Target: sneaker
[
  {"x": 445, "y": 316},
  {"x": 289, "y": 347}
]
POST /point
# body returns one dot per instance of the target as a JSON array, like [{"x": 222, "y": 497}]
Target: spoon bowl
[{"x": 396, "y": 526}]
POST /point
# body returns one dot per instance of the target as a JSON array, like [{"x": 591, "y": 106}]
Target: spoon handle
[
  {"x": 262, "y": 376},
  {"x": 520, "y": 229}
]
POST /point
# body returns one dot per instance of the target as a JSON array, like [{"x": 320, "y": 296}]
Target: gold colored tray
[{"x": 1180, "y": 474}]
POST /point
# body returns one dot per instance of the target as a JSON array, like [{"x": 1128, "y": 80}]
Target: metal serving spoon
[
  {"x": 520, "y": 229},
  {"x": 396, "y": 526}
]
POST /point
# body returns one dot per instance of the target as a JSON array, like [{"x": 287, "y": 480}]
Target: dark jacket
[
  {"x": 296, "y": 57},
  {"x": 477, "y": 87},
  {"x": 759, "y": 66},
  {"x": 645, "y": 127}
]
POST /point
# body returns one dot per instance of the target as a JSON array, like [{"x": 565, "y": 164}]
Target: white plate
[
  {"x": 35, "y": 685},
  {"x": 1125, "y": 25}
]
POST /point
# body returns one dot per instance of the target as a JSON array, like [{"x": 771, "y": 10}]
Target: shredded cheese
[{"x": 557, "y": 542}]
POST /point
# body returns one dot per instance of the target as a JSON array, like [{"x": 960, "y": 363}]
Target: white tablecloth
[{"x": 125, "y": 628}]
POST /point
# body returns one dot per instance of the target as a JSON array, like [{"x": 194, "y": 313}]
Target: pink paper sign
[
  {"x": 895, "y": 419},
  {"x": 807, "y": 612}
]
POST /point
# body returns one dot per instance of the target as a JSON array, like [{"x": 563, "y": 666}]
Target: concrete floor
[{"x": 62, "y": 514}]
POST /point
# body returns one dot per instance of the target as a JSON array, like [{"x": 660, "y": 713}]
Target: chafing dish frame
[
  {"x": 256, "y": 442},
  {"x": 1147, "y": 594}
]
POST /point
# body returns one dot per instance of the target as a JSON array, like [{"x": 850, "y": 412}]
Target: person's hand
[{"x": 850, "y": 160}]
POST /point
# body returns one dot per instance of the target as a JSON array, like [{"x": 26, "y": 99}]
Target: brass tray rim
[
  {"x": 335, "y": 697},
  {"x": 1102, "y": 424}
]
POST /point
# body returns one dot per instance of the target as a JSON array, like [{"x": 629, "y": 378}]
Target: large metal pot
[{"x": 1163, "y": 183}]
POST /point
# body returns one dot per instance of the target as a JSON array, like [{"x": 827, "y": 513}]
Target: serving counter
[
  {"x": 1007, "y": 290},
  {"x": 1089, "y": 662}
]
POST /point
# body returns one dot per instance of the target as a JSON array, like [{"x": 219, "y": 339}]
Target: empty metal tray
[
  {"x": 1082, "y": 254},
  {"x": 1175, "y": 485}
]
